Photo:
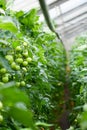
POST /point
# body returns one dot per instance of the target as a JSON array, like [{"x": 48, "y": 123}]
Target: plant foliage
[
  {"x": 32, "y": 72},
  {"x": 78, "y": 79}
]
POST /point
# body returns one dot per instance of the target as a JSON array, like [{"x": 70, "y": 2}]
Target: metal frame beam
[
  {"x": 71, "y": 11},
  {"x": 76, "y": 30},
  {"x": 75, "y": 34},
  {"x": 56, "y": 3},
  {"x": 71, "y": 26}
]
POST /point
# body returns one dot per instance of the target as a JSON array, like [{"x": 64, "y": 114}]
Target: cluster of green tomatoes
[{"x": 18, "y": 60}]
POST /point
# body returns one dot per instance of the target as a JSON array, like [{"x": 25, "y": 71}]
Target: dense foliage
[
  {"x": 32, "y": 72},
  {"x": 78, "y": 82},
  {"x": 35, "y": 83}
]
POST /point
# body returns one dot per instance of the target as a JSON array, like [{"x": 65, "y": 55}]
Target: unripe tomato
[
  {"x": 18, "y": 84},
  {"x": 25, "y": 63},
  {"x": 8, "y": 75},
  {"x": 18, "y": 55},
  {"x": 17, "y": 67},
  {"x": 13, "y": 65},
  {"x": 75, "y": 120},
  {"x": 5, "y": 79},
  {"x": 22, "y": 83},
  {"x": 9, "y": 58},
  {"x": 29, "y": 59},
  {"x": 25, "y": 53},
  {"x": 3, "y": 70},
  {"x": 19, "y": 60},
  {"x": 18, "y": 48},
  {"x": 1, "y": 105},
  {"x": 1, "y": 118}
]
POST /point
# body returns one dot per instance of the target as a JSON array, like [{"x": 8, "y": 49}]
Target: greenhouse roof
[{"x": 70, "y": 16}]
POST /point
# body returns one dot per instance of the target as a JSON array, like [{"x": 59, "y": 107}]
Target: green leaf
[
  {"x": 19, "y": 14},
  {"x": 84, "y": 79},
  {"x": 25, "y": 117},
  {"x": 83, "y": 122},
  {"x": 7, "y": 85},
  {"x": 7, "y": 23},
  {"x": 15, "y": 44},
  {"x": 11, "y": 95},
  {"x": 15, "y": 101},
  {"x": 30, "y": 18}
]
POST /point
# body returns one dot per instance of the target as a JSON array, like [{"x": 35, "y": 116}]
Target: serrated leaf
[{"x": 30, "y": 18}]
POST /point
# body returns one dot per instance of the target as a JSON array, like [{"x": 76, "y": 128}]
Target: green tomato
[
  {"x": 22, "y": 83},
  {"x": 25, "y": 53},
  {"x": 18, "y": 55},
  {"x": 3, "y": 70},
  {"x": 9, "y": 58},
  {"x": 25, "y": 63},
  {"x": 17, "y": 67},
  {"x": 29, "y": 59},
  {"x": 8, "y": 75},
  {"x": 1, "y": 118},
  {"x": 5, "y": 79},
  {"x": 1, "y": 105},
  {"x": 18, "y": 48},
  {"x": 19, "y": 60},
  {"x": 18, "y": 84},
  {"x": 13, "y": 65}
]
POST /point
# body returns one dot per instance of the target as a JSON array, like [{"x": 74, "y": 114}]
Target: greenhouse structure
[{"x": 43, "y": 64}]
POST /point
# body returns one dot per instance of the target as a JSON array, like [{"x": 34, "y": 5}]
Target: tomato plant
[
  {"x": 78, "y": 77},
  {"x": 31, "y": 62},
  {"x": 33, "y": 75}
]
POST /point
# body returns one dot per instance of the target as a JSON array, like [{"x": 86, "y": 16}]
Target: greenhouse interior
[{"x": 43, "y": 65}]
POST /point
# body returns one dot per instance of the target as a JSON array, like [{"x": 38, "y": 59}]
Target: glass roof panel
[{"x": 71, "y": 4}]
